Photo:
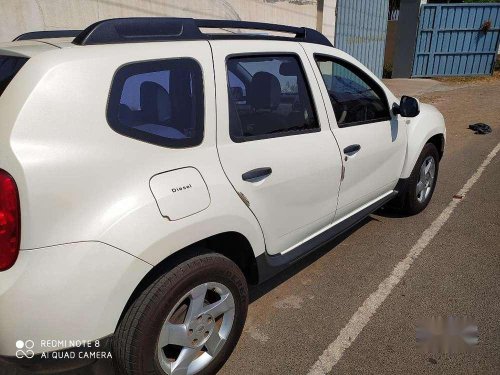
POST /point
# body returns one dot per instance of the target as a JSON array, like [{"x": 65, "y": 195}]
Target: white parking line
[{"x": 362, "y": 316}]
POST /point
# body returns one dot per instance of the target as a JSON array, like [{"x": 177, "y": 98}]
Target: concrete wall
[
  {"x": 20, "y": 16},
  {"x": 406, "y": 38}
]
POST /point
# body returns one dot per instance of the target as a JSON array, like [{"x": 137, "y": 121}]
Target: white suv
[{"x": 152, "y": 167}]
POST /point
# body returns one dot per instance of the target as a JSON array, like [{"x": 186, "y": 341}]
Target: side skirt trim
[{"x": 270, "y": 265}]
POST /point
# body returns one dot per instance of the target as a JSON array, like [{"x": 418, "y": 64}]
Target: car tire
[
  {"x": 420, "y": 186},
  {"x": 199, "y": 306}
]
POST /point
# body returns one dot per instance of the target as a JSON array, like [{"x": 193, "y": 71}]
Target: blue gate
[
  {"x": 360, "y": 30},
  {"x": 457, "y": 40}
]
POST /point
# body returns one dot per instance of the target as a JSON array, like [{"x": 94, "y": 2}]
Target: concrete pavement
[{"x": 414, "y": 86}]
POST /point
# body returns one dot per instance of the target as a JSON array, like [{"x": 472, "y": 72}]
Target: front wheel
[
  {"x": 422, "y": 181},
  {"x": 187, "y": 322}
]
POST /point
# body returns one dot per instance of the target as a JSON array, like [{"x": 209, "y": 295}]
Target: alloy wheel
[
  {"x": 425, "y": 182},
  {"x": 196, "y": 329}
]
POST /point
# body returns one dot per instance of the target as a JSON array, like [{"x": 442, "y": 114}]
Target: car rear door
[{"x": 274, "y": 140}]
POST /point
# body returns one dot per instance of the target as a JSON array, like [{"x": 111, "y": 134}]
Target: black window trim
[
  {"x": 346, "y": 64},
  {"x": 142, "y": 136},
  {"x": 6, "y": 82},
  {"x": 287, "y": 133}
]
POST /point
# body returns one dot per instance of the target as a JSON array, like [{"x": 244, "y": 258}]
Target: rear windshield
[{"x": 9, "y": 66}]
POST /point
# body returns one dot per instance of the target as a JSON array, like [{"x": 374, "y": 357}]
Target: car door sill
[{"x": 270, "y": 265}]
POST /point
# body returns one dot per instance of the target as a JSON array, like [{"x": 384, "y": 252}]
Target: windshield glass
[{"x": 9, "y": 66}]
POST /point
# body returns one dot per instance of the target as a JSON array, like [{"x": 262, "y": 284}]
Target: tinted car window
[
  {"x": 268, "y": 96},
  {"x": 237, "y": 87},
  {"x": 160, "y": 102},
  {"x": 9, "y": 66},
  {"x": 356, "y": 99}
]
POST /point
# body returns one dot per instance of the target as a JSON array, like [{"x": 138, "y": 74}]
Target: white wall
[{"x": 19, "y": 16}]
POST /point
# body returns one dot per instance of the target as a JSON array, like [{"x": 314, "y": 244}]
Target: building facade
[{"x": 20, "y": 16}]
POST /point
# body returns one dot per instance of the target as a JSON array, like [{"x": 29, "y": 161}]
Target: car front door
[
  {"x": 371, "y": 139},
  {"x": 274, "y": 141}
]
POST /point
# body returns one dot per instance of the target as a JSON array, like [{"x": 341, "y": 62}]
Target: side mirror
[{"x": 408, "y": 107}]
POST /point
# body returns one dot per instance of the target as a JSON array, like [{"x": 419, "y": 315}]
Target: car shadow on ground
[
  {"x": 390, "y": 212},
  {"x": 258, "y": 291}
]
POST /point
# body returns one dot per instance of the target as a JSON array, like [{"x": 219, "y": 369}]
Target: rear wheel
[
  {"x": 187, "y": 322},
  {"x": 422, "y": 181}
]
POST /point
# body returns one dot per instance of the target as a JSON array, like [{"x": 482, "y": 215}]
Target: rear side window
[
  {"x": 9, "y": 66},
  {"x": 159, "y": 102},
  {"x": 268, "y": 97}
]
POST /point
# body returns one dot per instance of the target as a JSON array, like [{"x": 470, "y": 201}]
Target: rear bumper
[{"x": 57, "y": 297}]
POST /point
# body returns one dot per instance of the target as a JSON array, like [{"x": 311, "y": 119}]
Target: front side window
[
  {"x": 159, "y": 102},
  {"x": 268, "y": 96},
  {"x": 355, "y": 97}
]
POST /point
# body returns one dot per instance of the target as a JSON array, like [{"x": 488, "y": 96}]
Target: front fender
[{"x": 420, "y": 129}]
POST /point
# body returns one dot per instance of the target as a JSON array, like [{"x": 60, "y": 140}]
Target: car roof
[{"x": 30, "y": 48}]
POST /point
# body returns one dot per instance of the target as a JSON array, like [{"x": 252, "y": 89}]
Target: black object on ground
[{"x": 480, "y": 128}]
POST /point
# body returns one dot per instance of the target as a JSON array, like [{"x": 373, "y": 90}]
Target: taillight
[{"x": 10, "y": 221}]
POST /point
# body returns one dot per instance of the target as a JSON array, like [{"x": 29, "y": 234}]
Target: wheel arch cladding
[
  {"x": 232, "y": 245},
  {"x": 438, "y": 141}
]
